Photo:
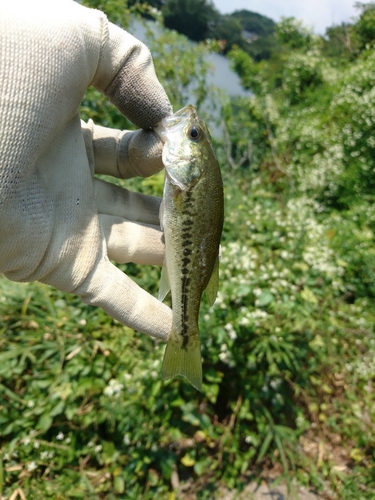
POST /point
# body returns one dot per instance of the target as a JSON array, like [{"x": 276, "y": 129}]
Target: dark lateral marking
[
  {"x": 187, "y": 222},
  {"x": 184, "y": 317},
  {"x": 185, "y": 283}
]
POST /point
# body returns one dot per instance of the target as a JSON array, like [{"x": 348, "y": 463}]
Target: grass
[{"x": 288, "y": 369}]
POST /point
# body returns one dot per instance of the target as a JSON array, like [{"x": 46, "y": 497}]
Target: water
[{"x": 223, "y": 76}]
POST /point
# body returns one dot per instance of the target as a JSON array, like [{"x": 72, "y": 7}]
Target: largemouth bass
[{"x": 191, "y": 215}]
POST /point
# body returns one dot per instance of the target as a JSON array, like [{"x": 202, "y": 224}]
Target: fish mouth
[
  {"x": 175, "y": 121},
  {"x": 183, "y": 114}
]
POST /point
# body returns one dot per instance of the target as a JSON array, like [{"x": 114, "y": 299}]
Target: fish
[{"x": 192, "y": 217}]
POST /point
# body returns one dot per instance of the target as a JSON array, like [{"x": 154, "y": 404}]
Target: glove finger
[
  {"x": 117, "y": 201},
  {"x": 133, "y": 154},
  {"x": 121, "y": 298},
  {"x": 127, "y": 76},
  {"x": 123, "y": 154},
  {"x": 132, "y": 242}
]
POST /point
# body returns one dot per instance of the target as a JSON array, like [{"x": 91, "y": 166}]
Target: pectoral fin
[
  {"x": 213, "y": 284},
  {"x": 164, "y": 286}
]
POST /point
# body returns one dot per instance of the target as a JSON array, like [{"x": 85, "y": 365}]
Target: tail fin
[{"x": 185, "y": 361}]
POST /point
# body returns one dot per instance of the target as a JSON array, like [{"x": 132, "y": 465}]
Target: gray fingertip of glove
[
  {"x": 137, "y": 92},
  {"x": 126, "y": 75}
]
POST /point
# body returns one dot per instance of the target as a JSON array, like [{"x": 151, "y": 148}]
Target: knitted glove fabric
[{"x": 58, "y": 224}]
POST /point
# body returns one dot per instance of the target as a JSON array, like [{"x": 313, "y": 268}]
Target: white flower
[
  {"x": 244, "y": 321},
  {"x": 60, "y": 436},
  {"x": 224, "y": 356},
  {"x": 232, "y": 334},
  {"x": 98, "y": 448},
  {"x": 31, "y": 466},
  {"x": 114, "y": 388},
  {"x": 275, "y": 383},
  {"x": 231, "y": 331}
]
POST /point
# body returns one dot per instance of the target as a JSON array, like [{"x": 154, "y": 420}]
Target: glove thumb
[{"x": 121, "y": 298}]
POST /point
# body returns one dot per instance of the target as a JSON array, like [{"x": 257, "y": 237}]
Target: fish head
[{"x": 187, "y": 147}]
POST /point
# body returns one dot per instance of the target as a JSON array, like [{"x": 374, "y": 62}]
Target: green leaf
[
  {"x": 59, "y": 408},
  {"x": 265, "y": 298},
  {"x": 309, "y": 296},
  {"x": 200, "y": 467},
  {"x": 188, "y": 460},
  {"x": 70, "y": 411},
  {"x": 265, "y": 445},
  {"x": 119, "y": 484},
  {"x": 45, "y": 422}
]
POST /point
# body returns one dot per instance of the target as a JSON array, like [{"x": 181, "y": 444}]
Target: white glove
[{"x": 58, "y": 224}]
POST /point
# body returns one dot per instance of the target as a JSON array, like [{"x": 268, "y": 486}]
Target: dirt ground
[{"x": 267, "y": 492}]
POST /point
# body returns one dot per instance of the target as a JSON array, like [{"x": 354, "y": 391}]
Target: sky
[{"x": 318, "y": 14}]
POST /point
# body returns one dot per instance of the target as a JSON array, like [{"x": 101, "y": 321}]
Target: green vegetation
[
  {"x": 289, "y": 346},
  {"x": 190, "y": 17},
  {"x": 256, "y": 35},
  {"x": 364, "y": 30},
  {"x": 254, "y": 23},
  {"x": 199, "y": 20}
]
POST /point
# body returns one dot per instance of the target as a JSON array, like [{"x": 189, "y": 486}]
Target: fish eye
[{"x": 194, "y": 133}]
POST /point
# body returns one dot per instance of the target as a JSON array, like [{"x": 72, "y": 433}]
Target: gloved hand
[{"x": 58, "y": 224}]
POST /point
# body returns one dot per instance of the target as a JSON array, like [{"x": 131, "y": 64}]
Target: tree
[
  {"x": 364, "y": 29},
  {"x": 250, "y": 31},
  {"x": 158, "y": 4},
  {"x": 292, "y": 33},
  {"x": 254, "y": 23},
  {"x": 192, "y": 18},
  {"x": 229, "y": 30},
  {"x": 338, "y": 41}
]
